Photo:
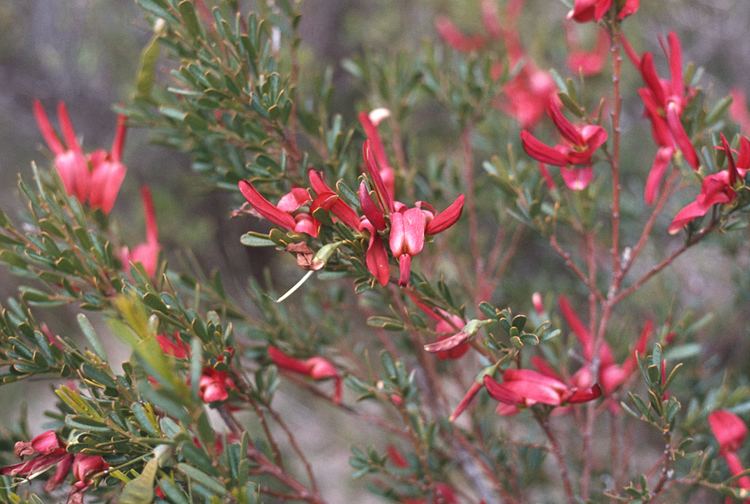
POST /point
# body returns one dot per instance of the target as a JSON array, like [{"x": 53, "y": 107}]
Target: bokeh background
[{"x": 86, "y": 52}]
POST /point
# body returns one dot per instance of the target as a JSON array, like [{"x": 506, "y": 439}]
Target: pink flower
[
  {"x": 730, "y": 432},
  {"x": 408, "y": 226},
  {"x": 591, "y": 62},
  {"x": 476, "y": 386},
  {"x": 46, "y": 450},
  {"x": 447, "y": 325},
  {"x": 146, "y": 253},
  {"x": 611, "y": 375},
  {"x": 525, "y": 388},
  {"x": 84, "y": 467},
  {"x": 214, "y": 385},
  {"x": 594, "y": 10},
  {"x": 317, "y": 368},
  {"x": 717, "y": 188},
  {"x": 452, "y": 36},
  {"x": 283, "y": 213},
  {"x": 370, "y": 124},
  {"x": 577, "y": 147},
  {"x": 525, "y": 97},
  {"x": 173, "y": 346},
  {"x": 665, "y": 101},
  {"x": 738, "y": 111},
  {"x": 95, "y": 178}
]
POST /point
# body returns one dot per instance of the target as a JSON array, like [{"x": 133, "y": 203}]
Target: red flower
[
  {"x": 328, "y": 200},
  {"x": 173, "y": 346},
  {"x": 525, "y": 97},
  {"x": 577, "y": 148},
  {"x": 317, "y": 368},
  {"x": 282, "y": 214},
  {"x": 611, "y": 375},
  {"x": 525, "y": 388},
  {"x": 214, "y": 385},
  {"x": 146, "y": 253},
  {"x": 717, "y": 188},
  {"x": 94, "y": 179},
  {"x": 738, "y": 111},
  {"x": 409, "y": 226},
  {"x": 85, "y": 466},
  {"x": 584, "y": 62},
  {"x": 594, "y": 10},
  {"x": 447, "y": 325},
  {"x": 730, "y": 432},
  {"x": 46, "y": 450},
  {"x": 370, "y": 124},
  {"x": 452, "y": 36},
  {"x": 664, "y": 103}
]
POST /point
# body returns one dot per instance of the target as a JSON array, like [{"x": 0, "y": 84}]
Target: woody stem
[{"x": 557, "y": 452}]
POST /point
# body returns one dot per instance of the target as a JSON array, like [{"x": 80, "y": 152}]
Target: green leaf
[
  {"x": 189, "y": 17},
  {"x": 200, "y": 477},
  {"x": 141, "y": 489},
  {"x": 91, "y": 336},
  {"x": 387, "y": 323},
  {"x": 253, "y": 239}
]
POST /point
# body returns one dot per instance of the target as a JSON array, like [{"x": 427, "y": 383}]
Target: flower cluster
[
  {"x": 47, "y": 450},
  {"x": 94, "y": 178},
  {"x": 574, "y": 154},
  {"x": 404, "y": 227}
]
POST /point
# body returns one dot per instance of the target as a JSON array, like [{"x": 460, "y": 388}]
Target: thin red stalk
[
  {"x": 295, "y": 446},
  {"x": 661, "y": 265},
  {"x": 669, "y": 188},
  {"x": 573, "y": 266},
  {"x": 557, "y": 452}
]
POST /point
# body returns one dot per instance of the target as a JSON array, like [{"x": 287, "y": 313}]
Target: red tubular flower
[
  {"x": 97, "y": 185},
  {"x": 330, "y": 201},
  {"x": 656, "y": 174},
  {"x": 730, "y": 432},
  {"x": 594, "y": 10},
  {"x": 577, "y": 148},
  {"x": 717, "y": 188},
  {"x": 70, "y": 162},
  {"x": 611, "y": 375},
  {"x": 107, "y": 171},
  {"x": 214, "y": 385},
  {"x": 525, "y": 388},
  {"x": 146, "y": 253},
  {"x": 386, "y": 175},
  {"x": 666, "y": 100},
  {"x": 584, "y": 62},
  {"x": 409, "y": 227},
  {"x": 452, "y": 36},
  {"x": 447, "y": 325},
  {"x": 738, "y": 111},
  {"x": 46, "y": 450},
  {"x": 173, "y": 346},
  {"x": 317, "y": 368},
  {"x": 85, "y": 466},
  {"x": 526, "y": 96},
  {"x": 282, "y": 213}
]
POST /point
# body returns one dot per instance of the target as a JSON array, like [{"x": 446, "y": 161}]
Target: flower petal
[
  {"x": 577, "y": 179},
  {"x": 688, "y": 213},
  {"x": 540, "y": 151},
  {"x": 376, "y": 259},
  {"x": 265, "y": 207},
  {"x": 447, "y": 217},
  {"x": 48, "y": 133},
  {"x": 656, "y": 174},
  {"x": 728, "y": 429},
  {"x": 680, "y": 136}
]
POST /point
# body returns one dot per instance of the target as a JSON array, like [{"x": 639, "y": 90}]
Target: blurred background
[{"x": 86, "y": 53}]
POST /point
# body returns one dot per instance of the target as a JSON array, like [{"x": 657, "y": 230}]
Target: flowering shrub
[{"x": 487, "y": 318}]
